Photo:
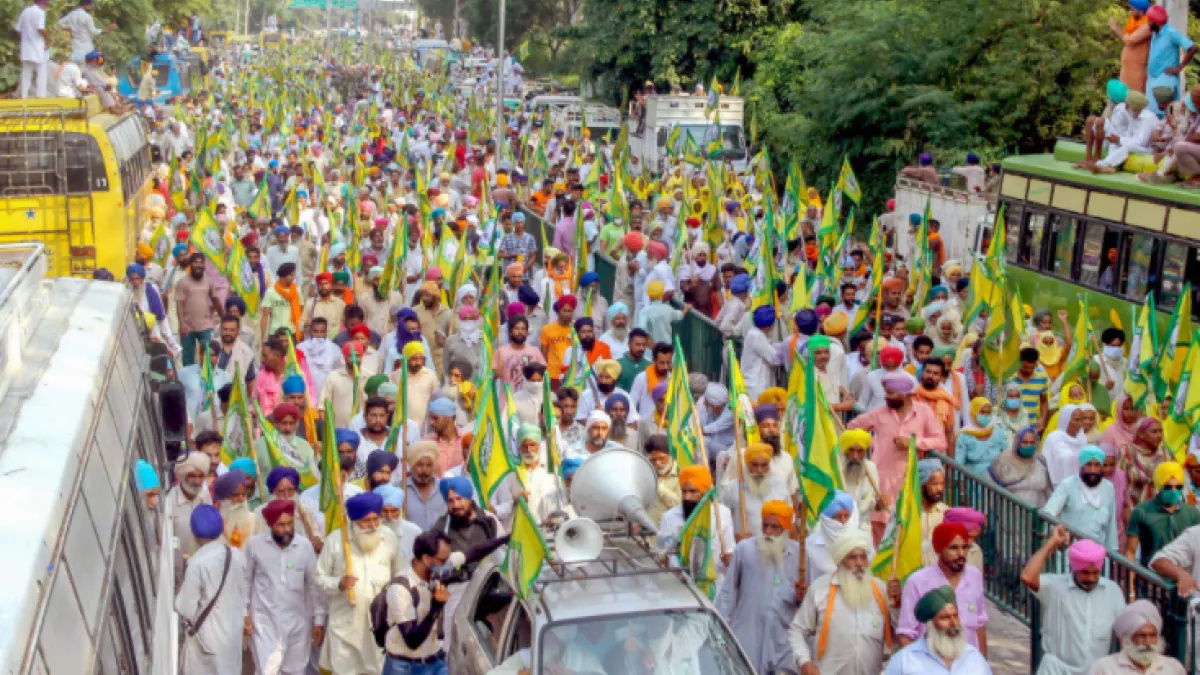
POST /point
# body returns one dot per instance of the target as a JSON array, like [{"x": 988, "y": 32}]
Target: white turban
[
  {"x": 716, "y": 394},
  {"x": 847, "y": 541},
  {"x": 1134, "y": 616},
  {"x": 598, "y": 416},
  {"x": 193, "y": 460}
]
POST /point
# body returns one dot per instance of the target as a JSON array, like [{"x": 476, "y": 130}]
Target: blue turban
[
  {"x": 461, "y": 486},
  {"x": 381, "y": 458},
  {"x": 337, "y": 249},
  {"x": 618, "y": 308},
  {"x": 206, "y": 522},
  {"x": 180, "y": 250},
  {"x": 588, "y": 278},
  {"x": 616, "y": 398},
  {"x": 764, "y": 317},
  {"x": 135, "y": 269},
  {"x": 1089, "y": 453},
  {"x": 766, "y": 411},
  {"x": 518, "y": 217},
  {"x": 584, "y": 321},
  {"x": 438, "y": 213},
  {"x": 570, "y": 465},
  {"x": 740, "y": 284},
  {"x": 362, "y": 505},
  {"x": 962, "y": 284},
  {"x": 1139, "y": 5},
  {"x": 227, "y": 483},
  {"x": 926, "y": 468},
  {"x": 282, "y": 229},
  {"x": 245, "y": 465},
  {"x": 527, "y": 296},
  {"x": 282, "y": 473},
  {"x": 938, "y": 289},
  {"x": 144, "y": 476},
  {"x": 348, "y": 437},
  {"x": 807, "y": 321},
  {"x": 925, "y": 159},
  {"x": 914, "y": 219},
  {"x": 392, "y": 495},
  {"x": 973, "y": 158},
  {"x": 273, "y": 164},
  {"x": 292, "y": 384},
  {"x": 442, "y": 407},
  {"x": 840, "y": 502},
  {"x": 1117, "y": 91},
  {"x": 235, "y": 301}
]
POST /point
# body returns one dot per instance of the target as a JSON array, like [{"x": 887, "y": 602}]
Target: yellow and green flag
[
  {"x": 489, "y": 461},
  {"x": 899, "y": 552},
  {"x": 696, "y": 545},
  {"x": 847, "y": 183},
  {"x": 1142, "y": 357},
  {"x": 527, "y": 550},
  {"x": 821, "y": 476},
  {"x": 331, "y": 474},
  {"x": 686, "y": 446},
  {"x": 207, "y": 238}
]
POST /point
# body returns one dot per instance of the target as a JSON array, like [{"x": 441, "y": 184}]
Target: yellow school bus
[{"x": 75, "y": 178}]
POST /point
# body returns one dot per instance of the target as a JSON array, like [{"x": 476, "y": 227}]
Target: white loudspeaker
[
  {"x": 577, "y": 540},
  {"x": 615, "y": 484}
]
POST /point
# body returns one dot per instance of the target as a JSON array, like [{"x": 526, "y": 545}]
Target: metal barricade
[{"x": 1015, "y": 530}]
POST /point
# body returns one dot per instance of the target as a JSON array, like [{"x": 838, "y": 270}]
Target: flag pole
[
  {"x": 738, "y": 447},
  {"x": 346, "y": 536},
  {"x": 802, "y": 533}
]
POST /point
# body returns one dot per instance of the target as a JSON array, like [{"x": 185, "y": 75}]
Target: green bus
[{"x": 1110, "y": 237}]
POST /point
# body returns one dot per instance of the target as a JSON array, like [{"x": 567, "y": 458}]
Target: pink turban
[
  {"x": 973, "y": 519},
  {"x": 658, "y": 250},
  {"x": 1085, "y": 553}
]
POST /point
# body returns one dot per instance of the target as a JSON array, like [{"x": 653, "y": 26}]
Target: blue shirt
[
  {"x": 1165, "y": 46},
  {"x": 1093, "y": 514},
  {"x": 916, "y": 659}
]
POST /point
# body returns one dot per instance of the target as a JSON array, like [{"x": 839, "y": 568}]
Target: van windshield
[
  {"x": 677, "y": 642},
  {"x": 733, "y": 142}
]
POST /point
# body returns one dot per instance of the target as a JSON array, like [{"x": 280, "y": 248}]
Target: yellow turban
[
  {"x": 1165, "y": 472},
  {"x": 853, "y": 437},
  {"x": 781, "y": 510},
  {"x": 412, "y": 349},
  {"x": 654, "y": 289},
  {"x": 836, "y": 324},
  {"x": 144, "y": 250},
  {"x": 776, "y": 396},
  {"x": 696, "y": 475},
  {"x": 608, "y": 367},
  {"x": 759, "y": 451}
]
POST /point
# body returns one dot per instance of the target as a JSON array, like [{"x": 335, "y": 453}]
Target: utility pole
[{"x": 500, "y": 84}]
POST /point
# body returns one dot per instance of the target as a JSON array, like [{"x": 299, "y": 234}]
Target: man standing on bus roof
[
  {"x": 35, "y": 52},
  {"x": 82, "y": 26},
  {"x": 212, "y": 599},
  {"x": 196, "y": 304},
  {"x": 1166, "y": 43}
]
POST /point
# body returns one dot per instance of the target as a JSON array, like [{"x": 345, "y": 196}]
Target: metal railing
[{"x": 1016, "y": 529}]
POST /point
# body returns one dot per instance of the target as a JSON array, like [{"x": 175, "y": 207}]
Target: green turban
[
  {"x": 818, "y": 342},
  {"x": 1136, "y": 100},
  {"x": 932, "y": 602},
  {"x": 943, "y": 352},
  {"x": 342, "y": 277},
  {"x": 914, "y": 324},
  {"x": 529, "y": 432},
  {"x": 371, "y": 388}
]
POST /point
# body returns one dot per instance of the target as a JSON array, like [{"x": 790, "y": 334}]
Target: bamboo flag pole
[
  {"x": 802, "y": 526},
  {"x": 346, "y": 536}
]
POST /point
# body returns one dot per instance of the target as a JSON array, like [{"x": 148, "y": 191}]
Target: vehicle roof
[
  {"x": 37, "y": 107},
  {"x": 1059, "y": 167},
  {"x": 603, "y": 595}
]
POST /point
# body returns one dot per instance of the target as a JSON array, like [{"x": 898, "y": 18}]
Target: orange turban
[
  {"x": 759, "y": 451},
  {"x": 698, "y": 476},
  {"x": 779, "y": 509},
  {"x": 776, "y": 396}
]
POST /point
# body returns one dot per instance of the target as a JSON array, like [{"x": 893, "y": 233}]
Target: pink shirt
[
  {"x": 509, "y": 361},
  {"x": 972, "y": 606},
  {"x": 450, "y": 453},
  {"x": 887, "y": 426},
  {"x": 268, "y": 390}
]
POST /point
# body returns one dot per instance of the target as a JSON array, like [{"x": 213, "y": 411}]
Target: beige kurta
[
  {"x": 855, "y": 645},
  {"x": 1119, "y": 664},
  {"x": 349, "y": 647},
  {"x": 339, "y": 389}
]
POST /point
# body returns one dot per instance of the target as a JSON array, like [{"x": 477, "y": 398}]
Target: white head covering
[
  {"x": 598, "y": 416},
  {"x": 716, "y": 394}
]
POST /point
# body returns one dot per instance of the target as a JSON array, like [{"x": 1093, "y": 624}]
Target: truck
[
  {"x": 601, "y": 120},
  {"x": 965, "y": 218},
  {"x": 662, "y": 113}
]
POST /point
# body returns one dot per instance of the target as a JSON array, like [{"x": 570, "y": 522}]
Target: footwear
[{"x": 1104, "y": 169}]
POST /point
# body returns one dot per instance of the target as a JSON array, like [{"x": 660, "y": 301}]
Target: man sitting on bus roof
[{"x": 98, "y": 81}]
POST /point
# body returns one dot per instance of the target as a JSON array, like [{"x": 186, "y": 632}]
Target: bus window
[
  {"x": 1138, "y": 258},
  {"x": 31, "y": 163},
  {"x": 1031, "y": 241},
  {"x": 1174, "y": 270},
  {"x": 1012, "y": 229},
  {"x": 1063, "y": 230},
  {"x": 1095, "y": 267}
]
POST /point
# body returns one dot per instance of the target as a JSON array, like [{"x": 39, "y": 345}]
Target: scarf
[
  {"x": 972, "y": 427},
  {"x": 1133, "y": 23},
  {"x": 262, "y": 280},
  {"x": 652, "y": 378},
  {"x": 470, "y": 332},
  {"x": 563, "y": 283},
  {"x": 403, "y": 334},
  {"x": 154, "y": 303},
  {"x": 292, "y": 295},
  {"x": 944, "y": 405}
]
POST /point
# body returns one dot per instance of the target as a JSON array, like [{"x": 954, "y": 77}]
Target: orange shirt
[
  {"x": 599, "y": 350},
  {"x": 539, "y": 200},
  {"x": 554, "y": 339}
]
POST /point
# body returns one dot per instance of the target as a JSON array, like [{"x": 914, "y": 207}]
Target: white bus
[{"x": 88, "y": 581}]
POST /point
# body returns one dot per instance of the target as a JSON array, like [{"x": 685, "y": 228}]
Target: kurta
[
  {"x": 181, "y": 523},
  {"x": 977, "y": 454},
  {"x": 420, "y": 392},
  {"x": 887, "y": 425},
  {"x": 338, "y": 388},
  {"x": 673, "y": 520},
  {"x": 916, "y": 659},
  {"x": 216, "y": 649},
  {"x": 862, "y": 490},
  {"x": 284, "y": 604},
  {"x": 856, "y": 636},
  {"x": 1119, "y": 664},
  {"x": 748, "y": 594},
  {"x": 1096, "y": 520},
  {"x": 544, "y": 489},
  {"x": 773, "y": 489},
  {"x": 349, "y": 647},
  {"x": 1076, "y": 624},
  {"x": 759, "y": 359},
  {"x": 971, "y": 603}
]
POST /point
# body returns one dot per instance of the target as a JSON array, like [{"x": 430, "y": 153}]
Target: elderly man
[
  {"x": 845, "y": 622},
  {"x": 943, "y": 648},
  {"x": 617, "y": 335},
  {"x": 1086, "y": 502},
  {"x": 595, "y": 437},
  {"x": 393, "y": 518},
  {"x": 932, "y": 477},
  {"x": 1138, "y": 627},
  {"x": 694, "y": 482},
  {"x": 187, "y": 494},
  {"x": 216, "y": 580},
  {"x": 859, "y": 475},
  {"x": 349, "y": 645},
  {"x": 287, "y": 611},
  {"x": 716, "y": 419},
  {"x": 1157, "y": 522},
  {"x": 229, "y": 494},
  {"x": 766, "y": 416},
  {"x": 756, "y": 487},
  {"x": 1077, "y": 608},
  {"x": 542, "y": 490},
  {"x": 951, "y": 570},
  {"x": 762, "y": 566},
  {"x": 838, "y": 517},
  {"x": 296, "y": 451},
  {"x": 666, "y": 471}
]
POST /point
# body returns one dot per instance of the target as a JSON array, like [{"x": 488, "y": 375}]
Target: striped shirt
[{"x": 1032, "y": 390}]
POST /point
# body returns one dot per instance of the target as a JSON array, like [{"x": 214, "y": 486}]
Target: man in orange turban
[{"x": 695, "y": 481}]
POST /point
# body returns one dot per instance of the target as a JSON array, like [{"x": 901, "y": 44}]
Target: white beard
[
  {"x": 757, "y": 485},
  {"x": 852, "y": 473},
  {"x": 771, "y": 548},
  {"x": 856, "y": 589},
  {"x": 1142, "y": 656},
  {"x": 619, "y": 333},
  {"x": 367, "y": 542},
  {"x": 946, "y": 647},
  {"x": 233, "y": 513}
]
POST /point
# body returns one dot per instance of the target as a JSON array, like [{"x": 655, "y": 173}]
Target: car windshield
[
  {"x": 675, "y": 642},
  {"x": 732, "y": 141}
]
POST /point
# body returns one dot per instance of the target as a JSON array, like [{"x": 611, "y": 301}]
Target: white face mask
[
  {"x": 1113, "y": 353},
  {"x": 533, "y": 388}
]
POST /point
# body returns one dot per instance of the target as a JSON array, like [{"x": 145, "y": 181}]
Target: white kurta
[
  {"x": 759, "y": 358},
  {"x": 748, "y": 595},
  {"x": 285, "y": 603},
  {"x": 774, "y": 489},
  {"x": 856, "y": 637},
  {"x": 673, "y": 521},
  {"x": 543, "y": 488},
  {"x": 217, "y": 648},
  {"x": 349, "y": 647}
]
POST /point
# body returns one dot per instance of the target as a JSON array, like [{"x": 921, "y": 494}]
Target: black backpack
[{"x": 379, "y": 609}]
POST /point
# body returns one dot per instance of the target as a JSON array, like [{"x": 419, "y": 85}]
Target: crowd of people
[{"x": 336, "y": 245}]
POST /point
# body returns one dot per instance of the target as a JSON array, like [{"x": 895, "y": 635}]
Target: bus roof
[
  {"x": 45, "y": 107},
  {"x": 1058, "y": 167}
]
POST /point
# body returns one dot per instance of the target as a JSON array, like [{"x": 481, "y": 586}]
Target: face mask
[
  {"x": 1170, "y": 497},
  {"x": 1027, "y": 451},
  {"x": 1012, "y": 403},
  {"x": 533, "y": 388},
  {"x": 1113, "y": 353},
  {"x": 1091, "y": 479},
  {"x": 985, "y": 420}
]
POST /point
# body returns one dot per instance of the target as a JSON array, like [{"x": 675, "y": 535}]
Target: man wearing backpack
[{"x": 415, "y": 638}]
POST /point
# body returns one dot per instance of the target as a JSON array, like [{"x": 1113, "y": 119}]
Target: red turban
[
  {"x": 285, "y": 410},
  {"x": 692, "y": 221},
  {"x": 634, "y": 242},
  {"x": 276, "y": 508},
  {"x": 250, "y": 239},
  {"x": 566, "y": 300},
  {"x": 358, "y": 350},
  {"x": 360, "y": 329},
  {"x": 947, "y": 532},
  {"x": 891, "y": 356},
  {"x": 182, "y": 236},
  {"x": 327, "y": 277}
]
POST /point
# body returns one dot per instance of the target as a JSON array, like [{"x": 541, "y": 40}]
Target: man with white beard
[
  {"x": 405, "y": 530},
  {"x": 230, "y": 492},
  {"x": 541, "y": 489},
  {"x": 845, "y": 622},
  {"x": 943, "y": 648},
  {"x": 860, "y": 477},
  {"x": 349, "y": 646},
  {"x": 838, "y": 517},
  {"x": 758, "y": 487},
  {"x": 617, "y": 335},
  {"x": 762, "y": 566},
  {"x": 1138, "y": 627}
]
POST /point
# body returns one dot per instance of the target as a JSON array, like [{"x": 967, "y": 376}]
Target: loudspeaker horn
[
  {"x": 615, "y": 483},
  {"x": 578, "y": 539}
]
